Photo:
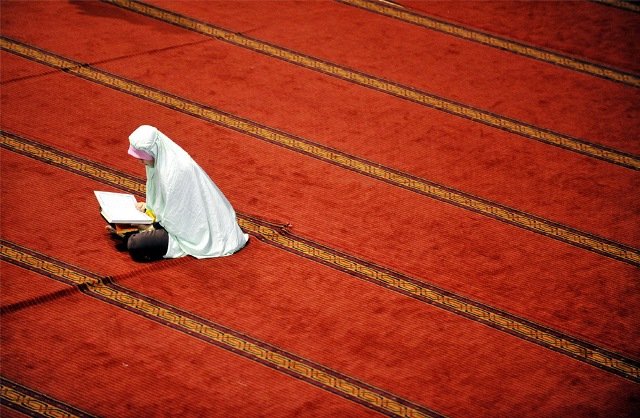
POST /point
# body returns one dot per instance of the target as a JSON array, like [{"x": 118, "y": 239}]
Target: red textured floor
[{"x": 56, "y": 339}]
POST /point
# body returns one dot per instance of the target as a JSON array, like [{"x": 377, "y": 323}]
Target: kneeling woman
[{"x": 193, "y": 217}]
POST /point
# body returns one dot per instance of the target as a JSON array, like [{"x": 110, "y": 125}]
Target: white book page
[{"x": 121, "y": 208}]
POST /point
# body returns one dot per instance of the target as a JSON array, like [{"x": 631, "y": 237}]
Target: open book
[{"x": 120, "y": 208}]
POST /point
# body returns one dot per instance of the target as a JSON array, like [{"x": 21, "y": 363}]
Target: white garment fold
[{"x": 199, "y": 219}]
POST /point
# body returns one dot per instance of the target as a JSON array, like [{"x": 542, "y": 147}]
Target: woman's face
[{"x": 147, "y": 162}]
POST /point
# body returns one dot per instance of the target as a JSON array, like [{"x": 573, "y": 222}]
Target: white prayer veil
[{"x": 199, "y": 219}]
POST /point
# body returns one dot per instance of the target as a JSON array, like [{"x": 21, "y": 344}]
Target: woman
[{"x": 193, "y": 217}]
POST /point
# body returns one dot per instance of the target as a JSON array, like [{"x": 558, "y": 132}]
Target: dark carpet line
[
  {"x": 279, "y": 236},
  {"x": 38, "y": 300},
  {"x": 108, "y": 60},
  {"x": 466, "y": 201},
  {"x": 81, "y": 288},
  {"x": 630, "y": 6}
]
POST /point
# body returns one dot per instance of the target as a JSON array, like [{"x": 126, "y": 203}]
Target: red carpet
[{"x": 376, "y": 298}]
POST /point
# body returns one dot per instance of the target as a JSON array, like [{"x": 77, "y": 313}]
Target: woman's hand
[
  {"x": 141, "y": 206},
  {"x": 144, "y": 228}
]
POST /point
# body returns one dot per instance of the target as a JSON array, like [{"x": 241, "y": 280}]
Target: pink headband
[{"x": 139, "y": 154}]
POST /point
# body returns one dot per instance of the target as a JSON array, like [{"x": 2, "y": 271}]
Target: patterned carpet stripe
[
  {"x": 458, "y": 109},
  {"x": 530, "y": 51},
  {"x": 103, "y": 289},
  {"x": 70, "y": 162},
  {"x": 278, "y": 236},
  {"x": 35, "y": 404},
  {"x": 424, "y": 187}
]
